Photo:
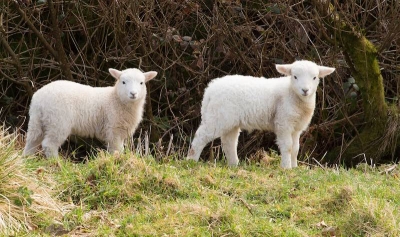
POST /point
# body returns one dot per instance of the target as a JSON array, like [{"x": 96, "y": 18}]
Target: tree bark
[{"x": 376, "y": 139}]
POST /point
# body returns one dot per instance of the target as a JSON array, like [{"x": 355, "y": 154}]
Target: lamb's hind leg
[
  {"x": 229, "y": 145},
  {"x": 33, "y": 141},
  {"x": 52, "y": 141},
  {"x": 34, "y": 136},
  {"x": 203, "y": 135}
]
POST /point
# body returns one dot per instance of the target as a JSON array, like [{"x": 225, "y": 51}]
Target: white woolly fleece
[
  {"x": 283, "y": 105},
  {"x": 64, "y": 108}
]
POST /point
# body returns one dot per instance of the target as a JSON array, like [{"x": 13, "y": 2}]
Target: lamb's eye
[
  {"x": 123, "y": 82},
  {"x": 141, "y": 83},
  {"x": 295, "y": 77},
  {"x": 315, "y": 78}
]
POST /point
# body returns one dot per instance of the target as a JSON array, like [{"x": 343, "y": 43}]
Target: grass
[
  {"x": 26, "y": 200},
  {"x": 132, "y": 195}
]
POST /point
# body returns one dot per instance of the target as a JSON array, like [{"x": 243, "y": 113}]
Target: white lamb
[
  {"x": 63, "y": 108},
  {"x": 283, "y": 105}
]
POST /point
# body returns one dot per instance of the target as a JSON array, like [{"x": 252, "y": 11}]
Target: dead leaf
[
  {"x": 259, "y": 29},
  {"x": 326, "y": 230},
  {"x": 184, "y": 44},
  {"x": 321, "y": 224},
  {"x": 195, "y": 45},
  {"x": 266, "y": 159},
  {"x": 329, "y": 231},
  {"x": 56, "y": 230},
  {"x": 186, "y": 38},
  {"x": 177, "y": 38},
  {"x": 40, "y": 171},
  {"x": 200, "y": 62},
  {"x": 271, "y": 175}
]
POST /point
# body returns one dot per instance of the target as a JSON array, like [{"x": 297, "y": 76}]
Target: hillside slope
[{"x": 127, "y": 195}]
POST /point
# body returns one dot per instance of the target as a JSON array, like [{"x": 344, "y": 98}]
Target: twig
[
  {"x": 62, "y": 58},
  {"x": 16, "y": 61},
  {"x": 35, "y": 30},
  {"x": 170, "y": 144},
  {"x": 319, "y": 164},
  {"x": 246, "y": 205},
  {"x": 391, "y": 168}
]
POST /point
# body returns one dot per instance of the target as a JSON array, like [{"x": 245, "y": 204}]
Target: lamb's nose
[
  {"x": 305, "y": 91},
  {"x": 133, "y": 94}
]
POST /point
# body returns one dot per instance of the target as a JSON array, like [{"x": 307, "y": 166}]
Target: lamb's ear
[
  {"x": 115, "y": 73},
  {"x": 285, "y": 69},
  {"x": 325, "y": 71},
  {"x": 149, "y": 75}
]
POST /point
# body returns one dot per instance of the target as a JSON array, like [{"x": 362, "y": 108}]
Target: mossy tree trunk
[{"x": 361, "y": 56}]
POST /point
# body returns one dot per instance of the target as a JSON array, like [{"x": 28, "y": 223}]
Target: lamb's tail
[
  {"x": 35, "y": 133},
  {"x": 204, "y": 104}
]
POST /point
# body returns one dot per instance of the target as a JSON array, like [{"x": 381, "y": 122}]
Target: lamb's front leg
[
  {"x": 115, "y": 145},
  {"x": 295, "y": 147},
  {"x": 285, "y": 144}
]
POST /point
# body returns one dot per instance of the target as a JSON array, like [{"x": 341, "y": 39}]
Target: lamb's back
[
  {"x": 77, "y": 106},
  {"x": 244, "y": 101},
  {"x": 69, "y": 94}
]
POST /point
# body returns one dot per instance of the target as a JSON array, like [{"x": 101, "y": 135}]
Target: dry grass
[{"x": 25, "y": 194}]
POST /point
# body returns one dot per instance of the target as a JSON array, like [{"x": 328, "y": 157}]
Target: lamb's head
[
  {"x": 304, "y": 76},
  {"x": 131, "y": 83}
]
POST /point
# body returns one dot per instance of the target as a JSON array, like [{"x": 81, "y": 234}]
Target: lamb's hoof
[
  {"x": 190, "y": 158},
  {"x": 116, "y": 154},
  {"x": 25, "y": 153},
  {"x": 190, "y": 153},
  {"x": 50, "y": 153},
  {"x": 233, "y": 164}
]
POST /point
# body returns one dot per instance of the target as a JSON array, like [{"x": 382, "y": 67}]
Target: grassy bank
[{"x": 127, "y": 195}]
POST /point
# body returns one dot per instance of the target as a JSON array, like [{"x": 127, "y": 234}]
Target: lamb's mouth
[{"x": 133, "y": 97}]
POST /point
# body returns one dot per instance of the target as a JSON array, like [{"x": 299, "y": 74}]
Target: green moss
[
  {"x": 365, "y": 69},
  {"x": 361, "y": 56}
]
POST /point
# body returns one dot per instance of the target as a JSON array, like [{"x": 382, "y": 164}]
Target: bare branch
[
  {"x": 35, "y": 30},
  {"x": 62, "y": 58},
  {"x": 16, "y": 61}
]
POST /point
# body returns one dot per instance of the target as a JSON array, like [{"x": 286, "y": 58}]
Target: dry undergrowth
[{"x": 25, "y": 195}]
